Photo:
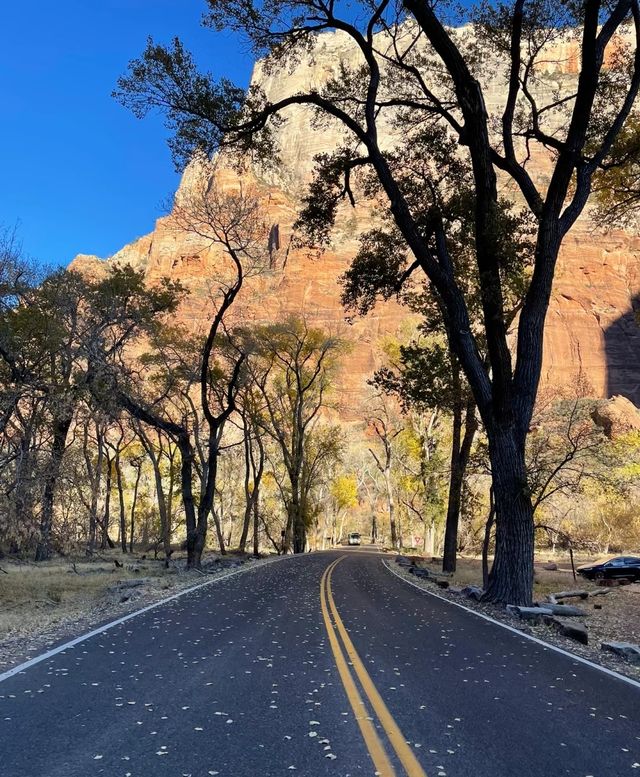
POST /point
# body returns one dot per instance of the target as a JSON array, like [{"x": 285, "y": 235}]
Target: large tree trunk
[
  {"x": 455, "y": 488},
  {"x": 134, "y": 502},
  {"x": 395, "y": 539},
  {"x": 460, "y": 452},
  {"x": 123, "y": 515},
  {"x": 106, "y": 541},
  {"x": 61, "y": 426},
  {"x": 197, "y": 539},
  {"x": 298, "y": 523},
  {"x": 186, "y": 485},
  {"x": 486, "y": 542},
  {"x": 299, "y": 530},
  {"x": 511, "y": 578},
  {"x": 252, "y": 495},
  {"x": 248, "y": 497},
  {"x": 95, "y": 477},
  {"x": 256, "y": 519},
  {"x": 287, "y": 536}
]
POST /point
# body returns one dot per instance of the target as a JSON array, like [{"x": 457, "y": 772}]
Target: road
[{"x": 266, "y": 673}]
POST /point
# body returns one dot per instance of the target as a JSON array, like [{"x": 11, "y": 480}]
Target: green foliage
[
  {"x": 421, "y": 378},
  {"x": 200, "y": 113},
  {"x": 377, "y": 271},
  {"x": 292, "y": 366},
  {"x": 617, "y": 185},
  {"x": 327, "y": 189}
]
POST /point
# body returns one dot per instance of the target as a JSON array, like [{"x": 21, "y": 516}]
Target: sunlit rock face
[
  {"x": 591, "y": 328},
  {"x": 617, "y": 417}
]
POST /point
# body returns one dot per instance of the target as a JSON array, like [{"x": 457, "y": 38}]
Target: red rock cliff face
[{"x": 591, "y": 328}]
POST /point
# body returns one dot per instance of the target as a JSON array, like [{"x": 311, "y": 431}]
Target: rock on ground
[{"x": 625, "y": 649}]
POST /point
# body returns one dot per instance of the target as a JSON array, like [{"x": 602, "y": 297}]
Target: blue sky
[{"x": 79, "y": 173}]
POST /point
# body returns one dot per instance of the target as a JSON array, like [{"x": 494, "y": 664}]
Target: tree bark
[
  {"x": 61, "y": 426},
  {"x": 248, "y": 507},
  {"x": 460, "y": 452},
  {"x": 134, "y": 502},
  {"x": 511, "y": 577},
  {"x": 95, "y": 477},
  {"x": 455, "y": 486},
  {"x": 395, "y": 540},
  {"x": 256, "y": 535},
  {"x": 196, "y": 539},
  {"x": 486, "y": 542},
  {"x": 298, "y": 522},
  {"x": 106, "y": 541}
]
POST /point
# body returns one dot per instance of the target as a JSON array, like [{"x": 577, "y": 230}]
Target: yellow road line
[
  {"x": 372, "y": 741},
  {"x": 399, "y": 743}
]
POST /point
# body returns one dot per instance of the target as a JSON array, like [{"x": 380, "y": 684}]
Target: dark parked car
[{"x": 619, "y": 567}]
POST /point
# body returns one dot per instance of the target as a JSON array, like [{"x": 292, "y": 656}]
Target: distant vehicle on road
[
  {"x": 354, "y": 538},
  {"x": 620, "y": 567}
]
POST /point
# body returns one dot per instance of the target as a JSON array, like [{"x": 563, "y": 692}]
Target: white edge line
[
  {"x": 548, "y": 645},
  {"x": 50, "y": 653}
]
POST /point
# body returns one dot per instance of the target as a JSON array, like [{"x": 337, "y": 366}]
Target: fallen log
[
  {"x": 562, "y": 609},
  {"x": 600, "y": 592},
  {"x": 534, "y": 614},
  {"x": 553, "y": 598},
  {"x": 132, "y": 583}
]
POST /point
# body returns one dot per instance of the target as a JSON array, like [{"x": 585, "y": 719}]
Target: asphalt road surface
[{"x": 325, "y": 664}]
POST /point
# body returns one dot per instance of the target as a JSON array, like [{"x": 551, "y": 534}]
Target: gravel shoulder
[{"x": 619, "y": 620}]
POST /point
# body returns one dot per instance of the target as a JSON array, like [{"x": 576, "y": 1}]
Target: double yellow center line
[{"x": 337, "y": 632}]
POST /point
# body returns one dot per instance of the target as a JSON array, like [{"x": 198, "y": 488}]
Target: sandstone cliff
[{"x": 591, "y": 328}]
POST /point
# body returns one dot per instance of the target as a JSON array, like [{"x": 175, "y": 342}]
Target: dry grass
[
  {"x": 469, "y": 572},
  {"x": 34, "y": 597},
  {"x": 44, "y": 604}
]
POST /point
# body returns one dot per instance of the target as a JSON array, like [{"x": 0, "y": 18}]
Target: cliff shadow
[{"x": 622, "y": 353}]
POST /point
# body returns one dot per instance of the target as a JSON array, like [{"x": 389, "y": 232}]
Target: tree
[
  {"x": 161, "y": 452},
  {"x": 420, "y": 477},
  {"x": 197, "y": 381},
  {"x": 344, "y": 492},
  {"x": 118, "y": 445},
  {"x": 617, "y": 183},
  {"x": 293, "y": 366},
  {"x": 254, "y": 461},
  {"x": 386, "y": 429},
  {"x": 416, "y": 73},
  {"x": 231, "y": 222},
  {"x": 135, "y": 459},
  {"x": 51, "y": 334},
  {"x": 427, "y": 378},
  {"x": 323, "y": 453}
]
